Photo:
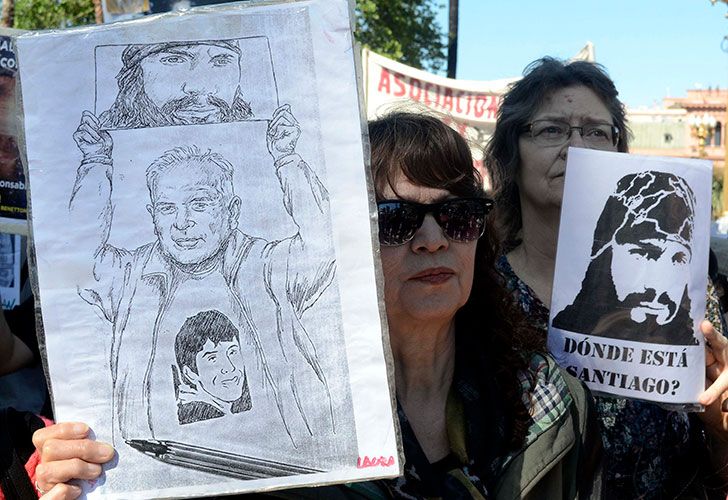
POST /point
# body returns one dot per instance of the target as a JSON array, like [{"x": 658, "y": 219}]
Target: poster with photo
[
  {"x": 13, "y": 203},
  {"x": 631, "y": 274},
  {"x": 216, "y": 316}
]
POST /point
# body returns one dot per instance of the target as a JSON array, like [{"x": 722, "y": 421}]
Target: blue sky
[{"x": 650, "y": 47}]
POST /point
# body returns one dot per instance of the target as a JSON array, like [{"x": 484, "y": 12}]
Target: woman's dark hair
[
  {"x": 489, "y": 326},
  {"x": 540, "y": 79}
]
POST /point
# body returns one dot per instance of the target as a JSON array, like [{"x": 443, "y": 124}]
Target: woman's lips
[{"x": 434, "y": 275}]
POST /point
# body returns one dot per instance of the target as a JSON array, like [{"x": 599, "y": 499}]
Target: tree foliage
[
  {"x": 404, "y": 30},
  {"x": 44, "y": 14}
]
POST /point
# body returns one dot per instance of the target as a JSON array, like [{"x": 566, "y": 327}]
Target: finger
[
  {"x": 62, "y": 491},
  {"x": 709, "y": 356},
  {"x": 90, "y": 134},
  {"x": 283, "y": 108},
  {"x": 286, "y": 119},
  {"x": 64, "y": 430},
  {"x": 713, "y": 336},
  {"x": 62, "y": 471},
  {"x": 274, "y": 125},
  {"x": 715, "y": 391},
  {"x": 90, "y": 118},
  {"x": 282, "y": 133},
  {"x": 85, "y": 449},
  {"x": 105, "y": 136},
  {"x": 712, "y": 372},
  {"x": 283, "y": 117}
]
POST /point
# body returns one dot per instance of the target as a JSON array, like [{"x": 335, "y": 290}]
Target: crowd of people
[{"x": 484, "y": 411}]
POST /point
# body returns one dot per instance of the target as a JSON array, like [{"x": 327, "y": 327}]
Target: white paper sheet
[
  {"x": 631, "y": 275},
  {"x": 206, "y": 275}
]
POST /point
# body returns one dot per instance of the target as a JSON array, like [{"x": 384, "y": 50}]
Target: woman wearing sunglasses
[
  {"x": 483, "y": 415},
  {"x": 649, "y": 452}
]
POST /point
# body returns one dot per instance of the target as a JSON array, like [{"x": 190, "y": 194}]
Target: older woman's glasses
[
  {"x": 557, "y": 133},
  {"x": 461, "y": 219}
]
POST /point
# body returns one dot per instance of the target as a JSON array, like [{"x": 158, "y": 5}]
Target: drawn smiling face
[
  {"x": 193, "y": 217},
  {"x": 220, "y": 370},
  {"x": 195, "y": 83}
]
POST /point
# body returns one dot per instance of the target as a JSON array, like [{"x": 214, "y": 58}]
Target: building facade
[{"x": 687, "y": 127}]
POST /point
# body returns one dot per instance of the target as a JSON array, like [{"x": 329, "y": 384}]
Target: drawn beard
[
  {"x": 222, "y": 112},
  {"x": 636, "y": 300}
]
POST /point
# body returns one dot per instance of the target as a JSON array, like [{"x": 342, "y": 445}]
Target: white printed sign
[{"x": 631, "y": 275}]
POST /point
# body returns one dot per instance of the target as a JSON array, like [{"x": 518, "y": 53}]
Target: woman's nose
[{"x": 429, "y": 237}]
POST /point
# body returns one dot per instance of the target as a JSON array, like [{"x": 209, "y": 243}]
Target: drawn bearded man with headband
[
  {"x": 636, "y": 285},
  {"x": 178, "y": 83}
]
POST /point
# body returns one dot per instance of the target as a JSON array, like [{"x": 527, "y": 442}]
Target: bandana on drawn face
[
  {"x": 134, "y": 54},
  {"x": 647, "y": 205}
]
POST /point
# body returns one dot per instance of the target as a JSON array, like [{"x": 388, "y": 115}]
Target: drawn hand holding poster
[
  {"x": 631, "y": 274},
  {"x": 216, "y": 314}
]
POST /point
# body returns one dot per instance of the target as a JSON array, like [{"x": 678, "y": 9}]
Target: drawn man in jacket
[{"x": 199, "y": 250}]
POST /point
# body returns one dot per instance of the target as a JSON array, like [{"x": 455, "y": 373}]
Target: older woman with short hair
[{"x": 650, "y": 452}]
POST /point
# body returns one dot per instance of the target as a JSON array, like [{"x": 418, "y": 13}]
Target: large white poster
[
  {"x": 202, "y": 229},
  {"x": 631, "y": 275}
]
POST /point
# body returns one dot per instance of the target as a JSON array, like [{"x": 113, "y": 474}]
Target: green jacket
[{"x": 561, "y": 458}]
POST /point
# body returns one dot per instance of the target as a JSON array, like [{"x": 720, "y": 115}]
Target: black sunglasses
[{"x": 461, "y": 219}]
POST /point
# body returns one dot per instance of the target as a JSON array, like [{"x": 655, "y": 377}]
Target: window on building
[
  {"x": 667, "y": 138},
  {"x": 717, "y": 135}
]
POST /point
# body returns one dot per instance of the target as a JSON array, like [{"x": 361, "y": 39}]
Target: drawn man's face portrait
[
  {"x": 663, "y": 265},
  {"x": 178, "y": 83},
  {"x": 219, "y": 370},
  {"x": 636, "y": 284},
  {"x": 193, "y": 216},
  {"x": 194, "y": 83}
]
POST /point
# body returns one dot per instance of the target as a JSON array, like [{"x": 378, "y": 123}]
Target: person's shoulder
[
  {"x": 242, "y": 246},
  {"x": 556, "y": 395},
  {"x": 552, "y": 452},
  {"x": 194, "y": 411},
  {"x": 547, "y": 393}
]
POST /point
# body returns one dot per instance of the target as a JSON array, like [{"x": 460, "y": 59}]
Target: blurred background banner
[{"x": 468, "y": 106}]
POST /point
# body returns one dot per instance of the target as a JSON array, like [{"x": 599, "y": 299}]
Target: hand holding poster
[
  {"x": 631, "y": 274},
  {"x": 216, "y": 315}
]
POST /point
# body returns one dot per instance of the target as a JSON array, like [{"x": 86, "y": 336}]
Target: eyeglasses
[
  {"x": 461, "y": 219},
  {"x": 557, "y": 133}
]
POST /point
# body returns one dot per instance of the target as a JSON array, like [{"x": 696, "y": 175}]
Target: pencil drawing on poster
[
  {"x": 209, "y": 376},
  {"x": 636, "y": 285},
  {"x": 225, "y": 361},
  {"x": 183, "y": 83}
]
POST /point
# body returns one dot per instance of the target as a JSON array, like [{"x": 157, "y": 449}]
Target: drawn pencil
[{"x": 216, "y": 461}]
